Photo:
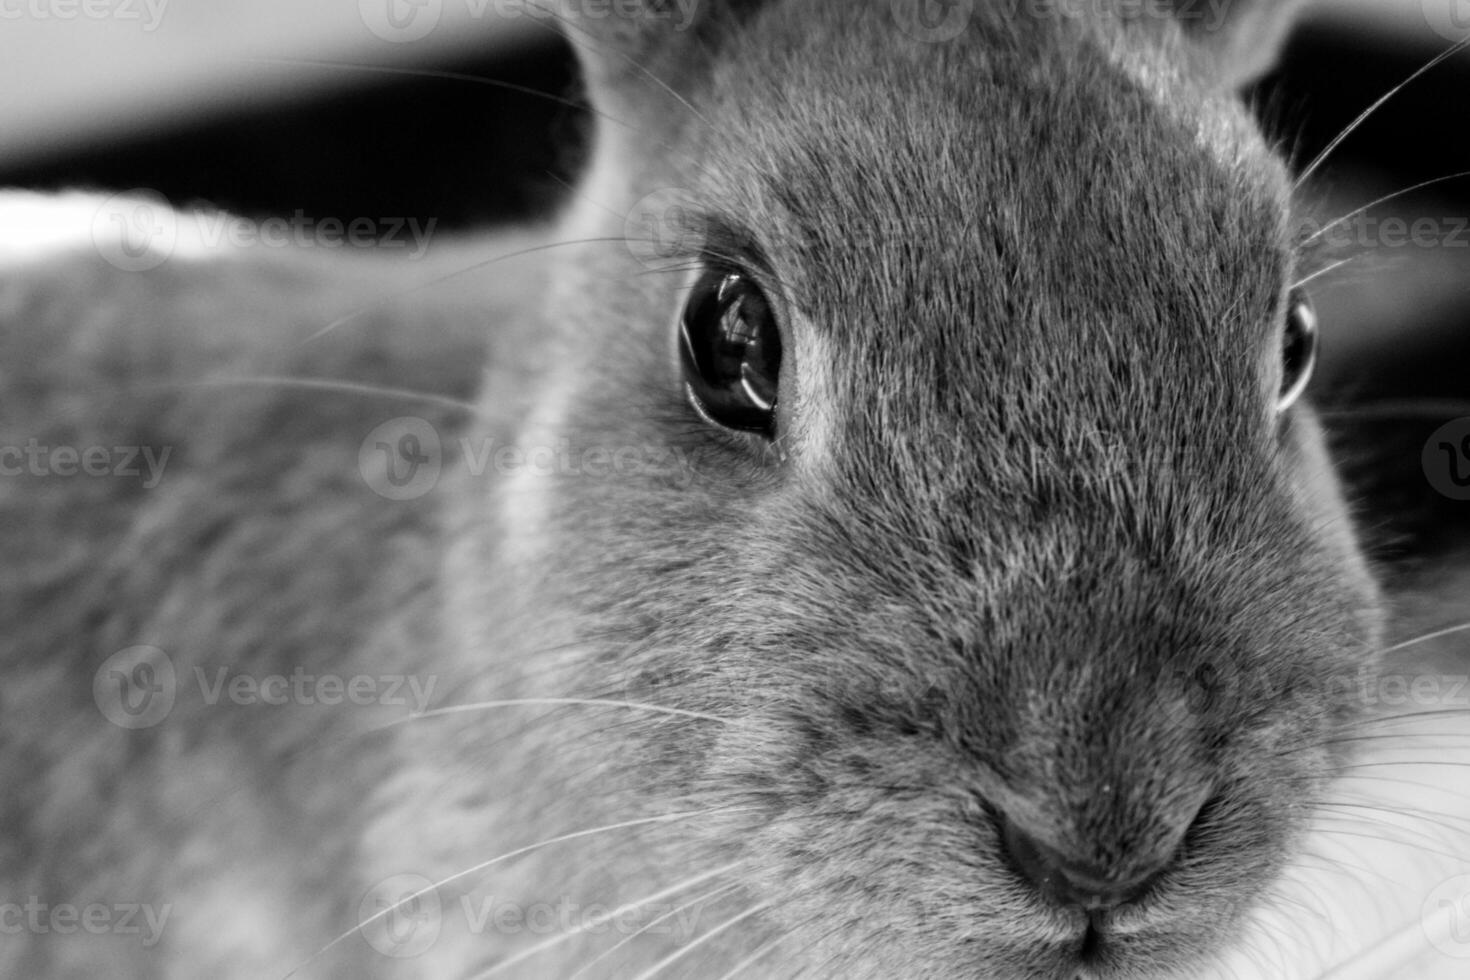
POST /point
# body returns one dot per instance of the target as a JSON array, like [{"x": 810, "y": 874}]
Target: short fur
[{"x": 1032, "y": 545}]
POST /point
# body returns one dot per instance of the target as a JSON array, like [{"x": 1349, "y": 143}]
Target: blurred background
[{"x": 441, "y": 110}]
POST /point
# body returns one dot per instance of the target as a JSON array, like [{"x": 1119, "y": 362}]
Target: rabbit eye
[
  {"x": 1298, "y": 350},
  {"x": 731, "y": 352}
]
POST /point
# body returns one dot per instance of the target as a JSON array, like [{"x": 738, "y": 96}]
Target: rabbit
[{"x": 879, "y": 529}]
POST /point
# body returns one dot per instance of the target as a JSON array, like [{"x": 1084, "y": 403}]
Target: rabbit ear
[{"x": 1234, "y": 41}]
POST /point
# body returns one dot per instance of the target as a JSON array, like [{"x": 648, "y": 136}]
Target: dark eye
[
  {"x": 731, "y": 350},
  {"x": 1298, "y": 350}
]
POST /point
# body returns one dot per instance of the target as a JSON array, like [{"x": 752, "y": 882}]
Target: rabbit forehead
[{"x": 1055, "y": 218}]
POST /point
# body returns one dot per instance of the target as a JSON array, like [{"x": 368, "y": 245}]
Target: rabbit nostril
[{"x": 1069, "y": 882}]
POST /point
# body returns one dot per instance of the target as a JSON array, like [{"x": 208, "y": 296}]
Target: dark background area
[
  {"x": 468, "y": 154},
  {"x": 401, "y": 145}
]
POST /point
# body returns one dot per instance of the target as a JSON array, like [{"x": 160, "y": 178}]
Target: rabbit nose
[{"x": 1069, "y": 882}]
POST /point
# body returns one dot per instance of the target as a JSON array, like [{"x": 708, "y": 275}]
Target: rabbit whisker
[
  {"x": 498, "y": 859},
  {"x": 709, "y": 934},
  {"x": 1337, "y": 140},
  {"x": 600, "y": 920},
  {"x": 720, "y": 892},
  {"x": 319, "y": 384},
  {"x": 477, "y": 706}
]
